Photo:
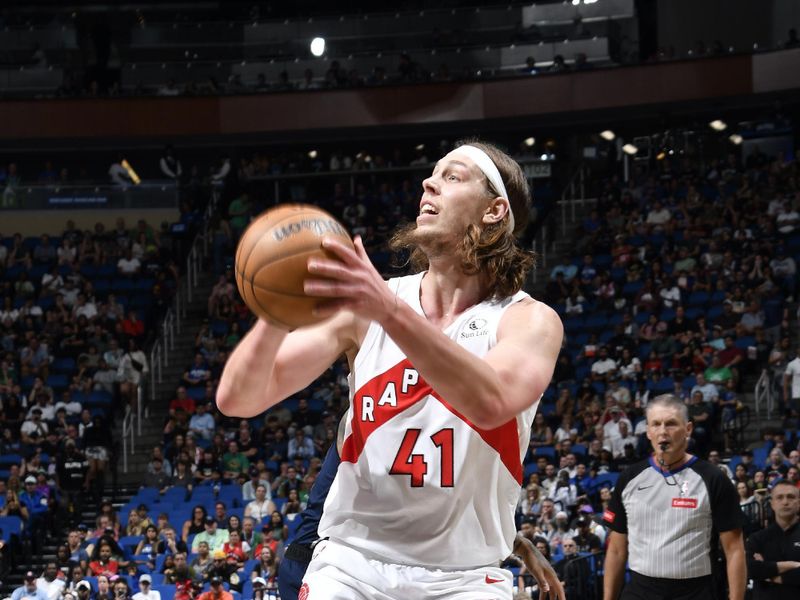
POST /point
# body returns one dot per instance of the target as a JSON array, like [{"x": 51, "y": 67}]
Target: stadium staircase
[
  {"x": 179, "y": 358},
  {"x": 24, "y": 560}
]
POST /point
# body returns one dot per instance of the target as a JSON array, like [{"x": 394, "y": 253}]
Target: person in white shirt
[
  {"x": 791, "y": 385},
  {"x": 611, "y": 430},
  {"x": 603, "y": 365},
  {"x": 260, "y": 507},
  {"x": 145, "y": 592},
  {"x": 659, "y": 215},
  {"x": 616, "y": 445},
  {"x": 128, "y": 265},
  {"x": 50, "y": 583},
  {"x": 119, "y": 174}
]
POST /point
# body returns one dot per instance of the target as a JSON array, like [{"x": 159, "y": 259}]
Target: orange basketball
[{"x": 272, "y": 258}]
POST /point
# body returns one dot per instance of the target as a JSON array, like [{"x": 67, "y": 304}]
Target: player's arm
[
  {"x": 614, "y": 567},
  {"x": 489, "y": 391},
  {"x": 733, "y": 545},
  {"x": 270, "y": 363},
  {"x": 538, "y": 566}
]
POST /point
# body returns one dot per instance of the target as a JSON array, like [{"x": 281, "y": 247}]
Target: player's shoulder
[{"x": 531, "y": 313}]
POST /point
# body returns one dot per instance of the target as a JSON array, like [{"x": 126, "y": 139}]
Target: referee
[{"x": 663, "y": 513}]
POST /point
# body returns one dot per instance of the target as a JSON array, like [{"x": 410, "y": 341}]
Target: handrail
[
  {"x": 574, "y": 192},
  {"x": 763, "y": 393},
  {"x": 127, "y": 432},
  {"x": 164, "y": 344}
]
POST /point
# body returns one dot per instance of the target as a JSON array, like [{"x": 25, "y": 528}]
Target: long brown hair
[{"x": 492, "y": 251}]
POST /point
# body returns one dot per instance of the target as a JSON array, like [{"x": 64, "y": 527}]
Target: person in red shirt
[
  {"x": 132, "y": 326},
  {"x": 236, "y": 549},
  {"x": 182, "y": 400},
  {"x": 103, "y": 564}
]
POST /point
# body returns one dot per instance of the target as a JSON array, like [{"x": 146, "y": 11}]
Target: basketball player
[{"x": 447, "y": 367}]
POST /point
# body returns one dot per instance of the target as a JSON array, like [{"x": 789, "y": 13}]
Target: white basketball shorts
[{"x": 342, "y": 573}]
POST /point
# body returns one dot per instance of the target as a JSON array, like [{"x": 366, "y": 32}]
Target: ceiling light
[
  {"x": 718, "y": 125},
  {"x": 529, "y": 141},
  {"x": 318, "y": 46},
  {"x": 608, "y": 135},
  {"x": 312, "y": 154},
  {"x": 630, "y": 149},
  {"x": 735, "y": 138}
]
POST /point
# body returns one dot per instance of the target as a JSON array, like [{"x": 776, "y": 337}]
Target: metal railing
[
  {"x": 169, "y": 328},
  {"x": 128, "y": 438},
  {"x": 763, "y": 395}
]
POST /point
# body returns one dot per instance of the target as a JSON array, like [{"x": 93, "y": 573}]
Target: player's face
[
  {"x": 785, "y": 501},
  {"x": 665, "y": 425},
  {"x": 454, "y": 196}
]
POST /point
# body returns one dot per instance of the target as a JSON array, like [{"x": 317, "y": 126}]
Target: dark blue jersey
[{"x": 309, "y": 518}]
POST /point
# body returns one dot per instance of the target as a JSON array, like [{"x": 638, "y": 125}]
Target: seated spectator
[
  {"x": 133, "y": 327},
  {"x": 217, "y": 592},
  {"x": 145, "y": 591},
  {"x": 202, "y": 561},
  {"x": 234, "y": 463},
  {"x": 261, "y": 506},
  {"x": 170, "y": 544},
  {"x": 149, "y": 542},
  {"x": 196, "y": 524},
  {"x": 202, "y": 422},
  {"x": 129, "y": 265},
  {"x": 180, "y": 573},
  {"x": 300, "y": 446},
  {"x": 604, "y": 364},
  {"x": 215, "y": 538},
  {"x": 198, "y": 372},
  {"x": 266, "y": 568},
  {"x": 249, "y": 486},
  {"x": 182, "y": 400},
  {"x": 237, "y": 548},
  {"x": 103, "y": 563}
]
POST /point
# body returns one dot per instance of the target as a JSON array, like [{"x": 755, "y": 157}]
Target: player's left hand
[
  {"x": 550, "y": 588},
  {"x": 350, "y": 281}
]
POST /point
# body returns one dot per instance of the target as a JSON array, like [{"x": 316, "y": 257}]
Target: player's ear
[{"x": 496, "y": 210}]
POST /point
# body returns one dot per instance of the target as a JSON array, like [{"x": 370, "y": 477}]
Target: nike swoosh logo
[
  {"x": 492, "y": 580},
  {"x": 644, "y": 487}
]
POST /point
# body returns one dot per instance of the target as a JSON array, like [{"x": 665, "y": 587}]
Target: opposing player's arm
[
  {"x": 270, "y": 363},
  {"x": 614, "y": 567},
  {"x": 538, "y": 566}
]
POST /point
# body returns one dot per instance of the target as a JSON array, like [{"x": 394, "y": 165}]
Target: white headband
[{"x": 487, "y": 166}]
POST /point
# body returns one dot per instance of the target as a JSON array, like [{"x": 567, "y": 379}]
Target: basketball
[{"x": 272, "y": 257}]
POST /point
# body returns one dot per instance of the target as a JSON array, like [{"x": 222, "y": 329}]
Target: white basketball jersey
[{"x": 418, "y": 484}]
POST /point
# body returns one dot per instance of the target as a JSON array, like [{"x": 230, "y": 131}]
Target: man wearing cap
[
  {"x": 215, "y": 538},
  {"x": 84, "y": 589},
  {"x": 28, "y": 590},
  {"x": 34, "y": 430},
  {"x": 259, "y": 588},
  {"x": 145, "y": 592},
  {"x": 249, "y": 486},
  {"x": 217, "y": 592},
  {"x": 37, "y": 504},
  {"x": 584, "y": 538}
]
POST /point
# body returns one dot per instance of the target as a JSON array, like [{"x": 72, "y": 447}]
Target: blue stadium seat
[
  {"x": 128, "y": 544},
  {"x": 548, "y": 451},
  {"x": 10, "y": 526},
  {"x": 167, "y": 590},
  {"x": 57, "y": 381},
  {"x": 10, "y": 459},
  {"x": 64, "y": 365},
  {"x": 530, "y": 468},
  {"x": 700, "y": 298}
]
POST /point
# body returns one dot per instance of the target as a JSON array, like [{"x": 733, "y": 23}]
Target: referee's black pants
[{"x": 642, "y": 587}]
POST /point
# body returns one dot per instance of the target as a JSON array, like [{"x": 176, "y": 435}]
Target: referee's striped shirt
[{"x": 669, "y": 518}]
